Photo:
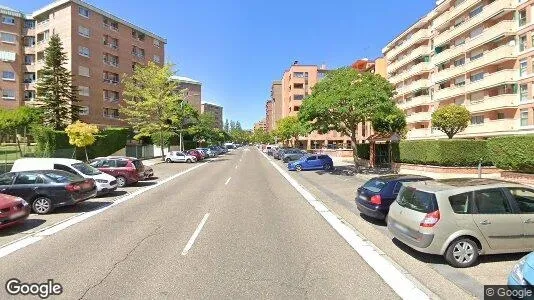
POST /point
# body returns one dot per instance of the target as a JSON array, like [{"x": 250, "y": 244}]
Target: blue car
[
  {"x": 312, "y": 162},
  {"x": 522, "y": 274}
]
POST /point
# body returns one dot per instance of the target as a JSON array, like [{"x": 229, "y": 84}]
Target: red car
[
  {"x": 127, "y": 170},
  {"x": 12, "y": 210},
  {"x": 196, "y": 154}
]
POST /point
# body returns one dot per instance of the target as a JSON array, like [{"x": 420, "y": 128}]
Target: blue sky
[{"x": 236, "y": 48}]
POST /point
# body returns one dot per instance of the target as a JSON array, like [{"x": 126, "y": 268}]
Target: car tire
[
  {"x": 327, "y": 167},
  {"x": 121, "y": 181},
  {"x": 298, "y": 168},
  {"x": 462, "y": 253},
  {"x": 42, "y": 205},
  {"x": 188, "y": 161},
  {"x": 168, "y": 160}
]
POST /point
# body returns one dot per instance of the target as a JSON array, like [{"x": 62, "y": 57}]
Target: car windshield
[
  {"x": 86, "y": 169},
  {"x": 374, "y": 185},
  {"x": 138, "y": 164},
  {"x": 62, "y": 177}
]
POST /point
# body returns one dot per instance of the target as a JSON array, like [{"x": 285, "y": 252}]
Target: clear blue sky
[{"x": 236, "y": 48}]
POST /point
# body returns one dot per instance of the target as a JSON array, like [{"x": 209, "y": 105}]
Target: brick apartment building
[
  {"x": 269, "y": 117},
  {"x": 260, "y": 125},
  {"x": 192, "y": 91},
  {"x": 216, "y": 111},
  {"x": 273, "y": 106},
  {"x": 475, "y": 53},
  {"x": 100, "y": 49}
]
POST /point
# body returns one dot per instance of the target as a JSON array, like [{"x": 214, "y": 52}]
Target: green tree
[
  {"x": 204, "y": 128},
  {"x": 81, "y": 135},
  {"x": 226, "y": 126},
  {"x": 389, "y": 123},
  {"x": 232, "y": 125},
  {"x": 55, "y": 89},
  {"x": 261, "y": 136},
  {"x": 344, "y": 99},
  {"x": 238, "y": 125},
  {"x": 290, "y": 128},
  {"x": 152, "y": 100},
  {"x": 14, "y": 121},
  {"x": 451, "y": 119}
]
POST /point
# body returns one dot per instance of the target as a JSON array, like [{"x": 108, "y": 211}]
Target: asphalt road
[{"x": 259, "y": 239}]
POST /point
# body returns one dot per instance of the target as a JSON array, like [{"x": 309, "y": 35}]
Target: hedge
[
  {"x": 455, "y": 152},
  {"x": 513, "y": 152}
]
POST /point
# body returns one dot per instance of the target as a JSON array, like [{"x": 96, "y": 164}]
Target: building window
[
  {"x": 29, "y": 77},
  {"x": 109, "y": 77},
  {"x": 111, "y": 96},
  {"x": 8, "y": 20},
  {"x": 298, "y": 74},
  {"x": 475, "y": 11},
  {"x": 476, "y": 32},
  {"x": 477, "y": 77},
  {"x": 522, "y": 17},
  {"x": 156, "y": 58},
  {"x": 460, "y": 81},
  {"x": 111, "y": 113},
  {"x": 29, "y": 24},
  {"x": 110, "y": 24},
  {"x": 29, "y": 95},
  {"x": 111, "y": 42},
  {"x": 84, "y": 51},
  {"x": 459, "y": 42},
  {"x": 43, "y": 36},
  {"x": 29, "y": 59},
  {"x": 476, "y": 120},
  {"x": 83, "y": 71},
  {"x": 522, "y": 43},
  {"x": 523, "y": 67},
  {"x": 157, "y": 43},
  {"x": 459, "y": 62},
  {"x": 523, "y": 93},
  {"x": 8, "y": 75},
  {"x": 83, "y": 110},
  {"x": 500, "y": 116},
  {"x": 8, "y": 37},
  {"x": 476, "y": 55},
  {"x": 8, "y": 94},
  {"x": 84, "y": 12},
  {"x": 524, "y": 117},
  {"x": 84, "y": 31},
  {"x": 83, "y": 90},
  {"x": 138, "y": 52},
  {"x": 138, "y": 35}
]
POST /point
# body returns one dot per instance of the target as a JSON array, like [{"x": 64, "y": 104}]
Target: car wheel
[
  {"x": 327, "y": 166},
  {"x": 168, "y": 160},
  {"x": 462, "y": 253},
  {"x": 42, "y": 205},
  {"x": 188, "y": 161},
  {"x": 121, "y": 181},
  {"x": 298, "y": 168}
]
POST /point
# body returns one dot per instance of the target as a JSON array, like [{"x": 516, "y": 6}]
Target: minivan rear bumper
[{"x": 415, "y": 239}]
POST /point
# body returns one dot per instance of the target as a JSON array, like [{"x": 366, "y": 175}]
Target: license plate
[
  {"x": 17, "y": 215},
  {"x": 362, "y": 197}
]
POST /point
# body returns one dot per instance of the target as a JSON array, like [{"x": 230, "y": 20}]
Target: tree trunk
[
  {"x": 18, "y": 142},
  {"x": 355, "y": 151},
  {"x": 162, "y": 146},
  {"x": 86, "y": 156},
  {"x": 450, "y": 135}
]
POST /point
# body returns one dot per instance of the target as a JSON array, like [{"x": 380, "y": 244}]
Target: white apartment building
[{"x": 476, "y": 53}]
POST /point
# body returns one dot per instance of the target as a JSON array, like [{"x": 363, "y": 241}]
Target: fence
[
  {"x": 11, "y": 152},
  {"x": 139, "y": 151}
]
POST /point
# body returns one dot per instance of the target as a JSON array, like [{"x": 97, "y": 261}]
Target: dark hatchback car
[
  {"x": 47, "y": 189},
  {"x": 127, "y": 170},
  {"x": 374, "y": 198},
  {"x": 13, "y": 210}
]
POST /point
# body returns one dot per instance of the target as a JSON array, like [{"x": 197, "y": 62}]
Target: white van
[{"x": 104, "y": 183}]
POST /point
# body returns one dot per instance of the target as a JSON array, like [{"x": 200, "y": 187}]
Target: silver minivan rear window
[{"x": 417, "y": 200}]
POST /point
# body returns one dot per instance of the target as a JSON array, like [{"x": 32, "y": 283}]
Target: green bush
[
  {"x": 513, "y": 152},
  {"x": 455, "y": 152},
  {"x": 364, "y": 151}
]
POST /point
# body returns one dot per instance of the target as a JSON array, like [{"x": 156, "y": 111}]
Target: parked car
[
  {"x": 126, "y": 170},
  {"x": 311, "y": 162},
  {"x": 216, "y": 150},
  {"x": 13, "y": 210},
  {"x": 375, "y": 196},
  {"x": 293, "y": 155},
  {"x": 271, "y": 150},
  {"x": 279, "y": 152},
  {"x": 149, "y": 172},
  {"x": 45, "y": 190},
  {"x": 464, "y": 218},
  {"x": 208, "y": 152},
  {"x": 105, "y": 183},
  {"x": 196, "y": 154},
  {"x": 222, "y": 150},
  {"x": 177, "y": 156},
  {"x": 522, "y": 274}
]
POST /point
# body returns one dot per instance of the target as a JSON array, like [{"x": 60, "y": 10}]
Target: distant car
[
  {"x": 375, "y": 196},
  {"x": 208, "y": 151},
  {"x": 45, "y": 190},
  {"x": 177, "y": 156},
  {"x": 105, "y": 183},
  {"x": 463, "y": 218},
  {"x": 293, "y": 155},
  {"x": 126, "y": 170},
  {"x": 311, "y": 162},
  {"x": 278, "y": 153},
  {"x": 522, "y": 274},
  {"x": 13, "y": 210},
  {"x": 215, "y": 150},
  {"x": 196, "y": 154}
]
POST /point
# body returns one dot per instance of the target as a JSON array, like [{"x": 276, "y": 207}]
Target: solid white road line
[
  {"x": 195, "y": 234},
  {"x": 26, "y": 241},
  {"x": 395, "y": 278},
  {"x": 236, "y": 166},
  {"x": 227, "y": 180}
]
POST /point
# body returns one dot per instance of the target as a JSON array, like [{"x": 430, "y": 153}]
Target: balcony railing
[
  {"x": 414, "y": 86},
  {"x": 493, "y": 79},
  {"x": 490, "y": 127},
  {"x": 111, "y": 45},
  {"x": 111, "y": 81},
  {"x": 419, "y": 117},
  {"x": 453, "y": 13},
  {"x": 418, "y": 133},
  {"x": 421, "y": 51},
  {"x": 111, "y": 99},
  {"x": 494, "y": 103},
  {"x": 416, "y": 37},
  {"x": 415, "y": 101},
  {"x": 111, "y": 63},
  {"x": 487, "y": 12},
  {"x": 414, "y": 70},
  {"x": 449, "y": 92}
]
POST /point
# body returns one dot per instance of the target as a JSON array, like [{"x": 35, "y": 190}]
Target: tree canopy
[
  {"x": 291, "y": 128},
  {"x": 451, "y": 119}
]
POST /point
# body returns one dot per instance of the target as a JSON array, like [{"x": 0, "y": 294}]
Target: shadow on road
[
  {"x": 25, "y": 225},
  {"x": 373, "y": 221},
  {"x": 144, "y": 184},
  {"x": 85, "y": 206},
  {"x": 113, "y": 194}
]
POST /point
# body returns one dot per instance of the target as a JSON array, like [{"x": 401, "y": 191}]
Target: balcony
[
  {"x": 488, "y": 11},
  {"x": 111, "y": 63},
  {"x": 415, "y": 101},
  {"x": 414, "y": 70},
  {"x": 493, "y": 79},
  {"x": 490, "y": 127},
  {"x": 419, "y": 117},
  {"x": 419, "y": 133},
  {"x": 422, "y": 34},
  {"x": 414, "y": 86},
  {"x": 421, "y": 51},
  {"x": 448, "y": 73},
  {"x": 111, "y": 45},
  {"x": 494, "y": 103},
  {"x": 449, "y": 92}
]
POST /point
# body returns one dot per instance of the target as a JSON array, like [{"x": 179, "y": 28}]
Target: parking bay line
[
  {"x": 195, "y": 235},
  {"x": 395, "y": 278},
  {"x": 39, "y": 235},
  {"x": 227, "y": 180}
]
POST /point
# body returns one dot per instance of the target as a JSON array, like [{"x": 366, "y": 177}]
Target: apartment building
[
  {"x": 269, "y": 116},
  {"x": 100, "y": 49},
  {"x": 476, "y": 53},
  {"x": 192, "y": 90},
  {"x": 216, "y": 111},
  {"x": 260, "y": 125},
  {"x": 273, "y": 110}
]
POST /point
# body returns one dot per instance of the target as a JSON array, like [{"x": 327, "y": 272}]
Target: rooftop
[
  {"x": 211, "y": 104},
  {"x": 185, "y": 79},
  {"x": 11, "y": 12}
]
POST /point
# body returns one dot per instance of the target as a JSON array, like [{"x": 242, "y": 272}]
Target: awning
[{"x": 7, "y": 56}]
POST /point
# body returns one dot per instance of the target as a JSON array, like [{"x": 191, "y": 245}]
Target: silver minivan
[{"x": 464, "y": 218}]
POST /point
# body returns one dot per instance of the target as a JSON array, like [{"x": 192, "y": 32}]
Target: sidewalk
[{"x": 152, "y": 161}]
